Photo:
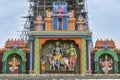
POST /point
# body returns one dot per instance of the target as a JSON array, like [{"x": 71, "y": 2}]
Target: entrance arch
[
  {"x": 14, "y": 51},
  {"x": 103, "y": 52}
]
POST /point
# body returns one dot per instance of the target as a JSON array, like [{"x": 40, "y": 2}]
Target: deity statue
[
  {"x": 43, "y": 64},
  {"x": 106, "y": 65},
  {"x": 48, "y": 13},
  {"x": 73, "y": 57},
  {"x": 58, "y": 53},
  {"x": 71, "y": 13},
  {"x": 14, "y": 63}
]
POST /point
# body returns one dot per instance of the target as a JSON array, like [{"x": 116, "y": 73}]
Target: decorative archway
[
  {"x": 12, "y": 52},
  {"x": 103, "y": 52}
]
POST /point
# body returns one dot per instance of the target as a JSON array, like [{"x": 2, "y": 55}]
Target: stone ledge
[{"x": 58, "y": 76}]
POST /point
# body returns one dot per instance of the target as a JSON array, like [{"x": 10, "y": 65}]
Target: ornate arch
[
  {"x": 10, "y": 52},
  {"x": 109, "y": 52}
]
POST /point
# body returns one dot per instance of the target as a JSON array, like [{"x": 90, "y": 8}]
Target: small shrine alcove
[
  {"x": 106, "y": 61},
  {"x": 49, "y": 49},
  {"x": 14, "y": 62}
]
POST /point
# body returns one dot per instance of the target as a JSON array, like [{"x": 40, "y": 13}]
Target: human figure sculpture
[
  {"x": 58, "y": 53},
  {"x": 71, "y": 13},
  {"x": 73, "y": 57},
  {"x": 106, "y": 65},
  {"x": 14, "y": 63},
  {"x": 48, "y": 13},
  {"x": 43, "y": 64}
]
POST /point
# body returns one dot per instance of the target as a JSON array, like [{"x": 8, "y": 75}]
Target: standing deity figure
[
  {"x": 73, "y": 57},
  {"x": 106, "y": 65},
  {"x": 43, "y": 64},
  {"x": 58, "y": 53},
  {"x": 14, "y": 63}
]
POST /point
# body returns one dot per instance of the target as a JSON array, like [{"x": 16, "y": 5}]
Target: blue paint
[
  {"x": 31, "y": 51},
  {"x": 55, "y": 16},
  {"x": 65, "y": 23},
  {"x": 54, "y": 23}
]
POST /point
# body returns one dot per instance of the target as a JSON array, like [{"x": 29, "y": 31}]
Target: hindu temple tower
[{"x": 59, "y": 28}]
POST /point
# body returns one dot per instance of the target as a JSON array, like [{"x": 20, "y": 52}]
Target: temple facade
[
  {"x": 62, "y": 44},
  {"x": 59, "y": 43}
]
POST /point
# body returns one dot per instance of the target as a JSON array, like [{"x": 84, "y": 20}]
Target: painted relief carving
[
  {"x": 14, "y": 65},
  {"x": 43, "y": 64},
  {"x": 61, "y": 57},
  {"x": 58, "y": 53},
  {"x": 48, "y": 13},
  {"x": 73, "y": 57},
  {"x": 106, "y": 64}
]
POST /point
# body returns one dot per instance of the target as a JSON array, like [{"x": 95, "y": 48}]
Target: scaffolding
[{"x": 37, "y": 7}]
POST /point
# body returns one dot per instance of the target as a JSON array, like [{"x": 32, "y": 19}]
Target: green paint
[
  {"x": 36, "y": 51},
  {"x": 83, "y": 56},
  {"x": 103, "y": 52},
  {"x": 12, "y": 52},
  {"x": 59, "y": 32}
]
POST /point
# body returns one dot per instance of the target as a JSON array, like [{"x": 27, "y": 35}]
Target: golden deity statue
[{"x": 14, "y": 63}]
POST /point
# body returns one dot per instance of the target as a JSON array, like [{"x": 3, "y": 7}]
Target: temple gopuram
[{"x": 59, "y": 42}]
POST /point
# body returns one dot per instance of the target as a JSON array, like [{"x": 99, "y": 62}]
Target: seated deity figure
[
  {"x": 14, "y": 63},
  {"x": 106, "y": 65},
  {"x": 73, "y": 57},
  {"x": 57, "y": 53}
]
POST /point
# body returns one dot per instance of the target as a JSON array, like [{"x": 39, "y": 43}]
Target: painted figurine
[
  {"x": 48, "y": 13},
  {"x": 43, "y": 64},
  {"x": 14, "y": 63},
  {"x": 73, "y": 57},
  {"x": 106, "y": 65},
  {"x": 71, "y": 13},
  {"x": 58, "y": 53}
]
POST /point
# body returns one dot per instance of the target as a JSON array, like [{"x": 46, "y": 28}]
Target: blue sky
[{"x": 104, "y": 19}]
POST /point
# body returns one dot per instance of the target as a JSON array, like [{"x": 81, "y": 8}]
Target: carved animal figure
[{"x": 63, "y": 61}]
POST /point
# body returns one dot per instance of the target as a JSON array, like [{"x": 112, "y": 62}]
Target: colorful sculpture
[
  {"x": 43, "y": 64},
  {"x": 58, "y": 53},
  {"x": 73, "y": 57},
  {"x": 106, "y": 65},
  {"x": 63, "y": 61},
  {"x": 14, "y": 63},
  {"x": 71, "y": 13},
  {"x": 51, "y": 61},
  {"x": 48, "y": 13}
]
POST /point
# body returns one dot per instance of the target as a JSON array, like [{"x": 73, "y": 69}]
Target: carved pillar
[
  {"x": 89, "y": 42},
  {"x": 31, "y": 55},
  {"x": 36, "y": 55},
  {"x": 84, "y": 56}
]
